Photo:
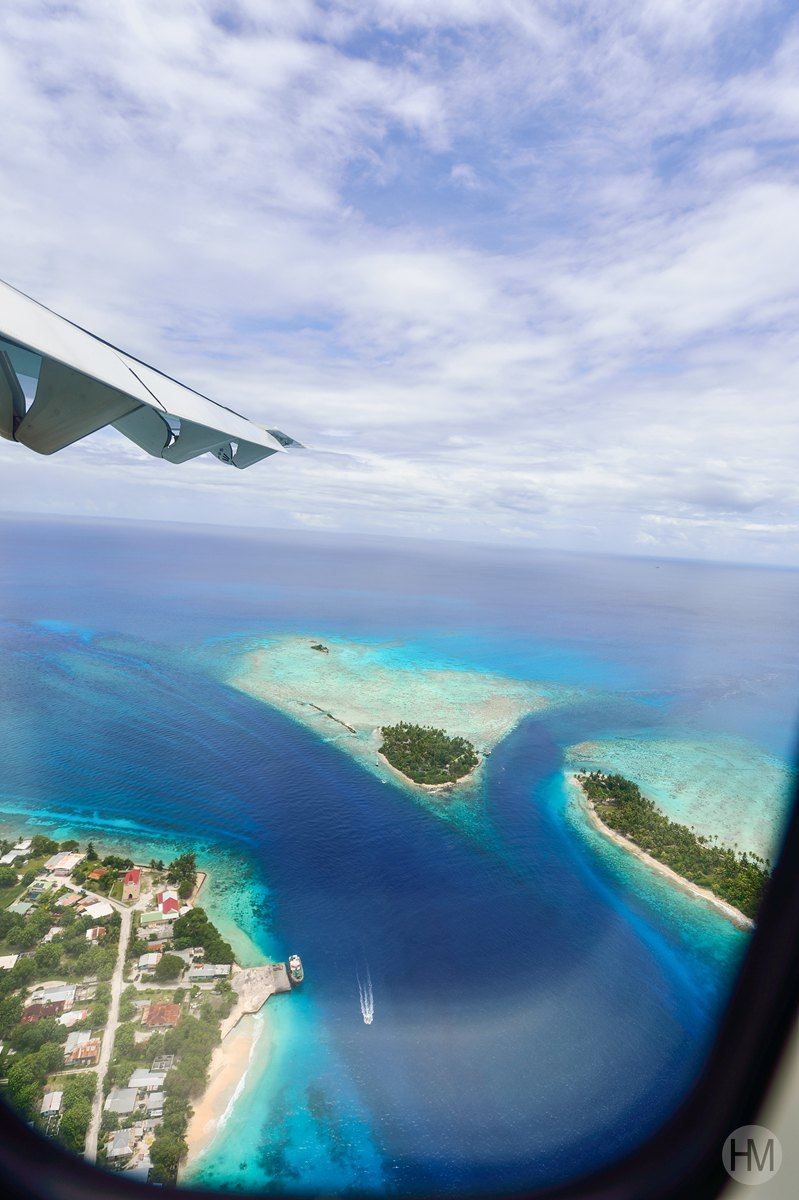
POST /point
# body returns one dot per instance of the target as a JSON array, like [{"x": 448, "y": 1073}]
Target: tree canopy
[
  {"x": 427, "y": 755},
  {"x": 738, "y": 878}
]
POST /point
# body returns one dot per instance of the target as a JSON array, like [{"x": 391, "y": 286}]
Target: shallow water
[{"x": 541, "y": 1000}]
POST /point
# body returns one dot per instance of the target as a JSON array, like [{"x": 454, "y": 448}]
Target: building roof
[
  {"x": 133, "y": 875},
  {"x": 72, "y": 1017},
  {"x": 23, "y": 844},
  {"x": 140, "y": 1169},
  {"x": 59, "y": 992},
  {"x": 96, "y": 932},
  {"x": 68, "y": 900},
  {"x": 78, "y": 1038},
  {"x": 120, "y": 1100},
  {"x": 65, "y": 861},
  {"x": 151, "y": 959},
  {"x": 39, "y": 1009},
  {"x": 154, "y": 917},
  {"x": 23, "y": 907},
  {"x": 159, "y": 1014},
  {"x": 208, "y": 970},
  {"x": 101, "y": 908},
  {"x": 154, "y": 1100},
  {"x": 7, "y": 961},
  {"x": 144, "y": 1078},
  {"x": 8, "y": 858},
  {"x": 85, "y": 1050},
  {"x": 51, "y": 1102},
  {"x": 121, "y": 1144}
]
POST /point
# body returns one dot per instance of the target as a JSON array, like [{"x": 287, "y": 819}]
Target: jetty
[{"x": 253, "y": 987}]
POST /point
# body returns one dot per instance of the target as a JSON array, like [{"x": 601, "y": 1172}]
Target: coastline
[
  {"x": 727, "y": 910},
  {"x": 433, "y": 789},
  {"x": 227, "y": 1074}
]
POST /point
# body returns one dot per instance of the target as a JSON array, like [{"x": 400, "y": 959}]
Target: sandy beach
[
  {"x": 227, "y": 1073},
  {"x": 432, "y": 789},
  {"x": 692, "y": 889}
]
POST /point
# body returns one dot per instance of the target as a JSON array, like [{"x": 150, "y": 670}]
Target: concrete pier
[{"x": 253, "y": 987}]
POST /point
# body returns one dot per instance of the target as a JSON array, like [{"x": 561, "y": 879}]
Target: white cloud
[{"x": 533, "y": 270}]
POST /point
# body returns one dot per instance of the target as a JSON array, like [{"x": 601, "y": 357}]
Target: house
[
  {"x": 203, "y": 972},
  {"x": 68, "y": 1019},
  {"x": 51, "y": 1103},
  {"x": 168, "y": 902},
  {"x": 151, "y": 1081},
  {"x": 161, "y": 1016},
  {"x": 98, "y": 910},
  {"x": 96, "y": 932},
  {"x": 121, "y": 1144},
  {"x": 64, "y": 863},
  {"x": 39, "y": 1011},
  {"x": 131, "y": 884},
  {"x": 154, "y": 1104},
  {"x": 8, "y": 859},
  {"x": 52, "y": 932},
  {"x": 56, "y": 993},
  {"x": 97, "y": 874},
  {"x": 7, "y": 961},
  {"x": 76, "y": 1039},
  {"x": 121, "y": 1101},
  {"x": 23, "y": 844},
  {"x": 85, "y": 1055},
  {"x": 149, "y": 961},
  {"x": 81, "y": 1049},
  {"x": 67, "y": 900},
  {"x": 164, "y": 1063},
  {"x": 23, "y": 907},
  {"x": 156, "y": 925}
]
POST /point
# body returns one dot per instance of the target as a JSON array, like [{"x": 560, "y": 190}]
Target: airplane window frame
[{"x": 682, "y": 1158}]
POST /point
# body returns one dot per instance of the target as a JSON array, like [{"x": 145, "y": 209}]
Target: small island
[
  {"x": 321, "y": 647},
  {"x": 427, "y": 755},
  {"x": 736, "y": 880}
]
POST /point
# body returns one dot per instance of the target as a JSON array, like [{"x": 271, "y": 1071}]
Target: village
[{"x": 115, "y": 989}]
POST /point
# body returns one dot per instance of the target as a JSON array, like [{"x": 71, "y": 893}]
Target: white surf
[{"x": 366, "y": 998}]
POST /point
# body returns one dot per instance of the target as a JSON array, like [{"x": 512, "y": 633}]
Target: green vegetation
[
  {"x": 427, "y": 755},
  {"x": 43, "y": 847},
  {"x": 76, "y": 1110},
  {"x": 168, "y": 967},
  {"x": 194, "y": 929},
  {"x": 740, "y": 879},
  {"x": 182, "y": 872}
]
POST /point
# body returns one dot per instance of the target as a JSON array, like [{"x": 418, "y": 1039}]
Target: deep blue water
[{"x": 535, "y": 1013}]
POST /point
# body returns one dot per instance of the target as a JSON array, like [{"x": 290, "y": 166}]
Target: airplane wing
[{"x": 59, "y": 383}]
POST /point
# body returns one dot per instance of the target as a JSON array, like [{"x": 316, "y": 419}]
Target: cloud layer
[{"x": 518, "y": 272}]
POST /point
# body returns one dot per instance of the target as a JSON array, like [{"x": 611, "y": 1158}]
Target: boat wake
[{"x": 366, "y": 998}]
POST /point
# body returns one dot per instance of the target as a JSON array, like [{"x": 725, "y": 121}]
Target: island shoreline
[{"x": 732, "y": 914}]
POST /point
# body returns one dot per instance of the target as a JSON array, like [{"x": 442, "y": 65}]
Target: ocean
[{"x": 542, "y": 1000}]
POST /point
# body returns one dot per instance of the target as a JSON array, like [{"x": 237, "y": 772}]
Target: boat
[{"x": 296, "y": 973}]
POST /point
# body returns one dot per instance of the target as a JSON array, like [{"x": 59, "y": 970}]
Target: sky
[{"x": 514, "y": 272}]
